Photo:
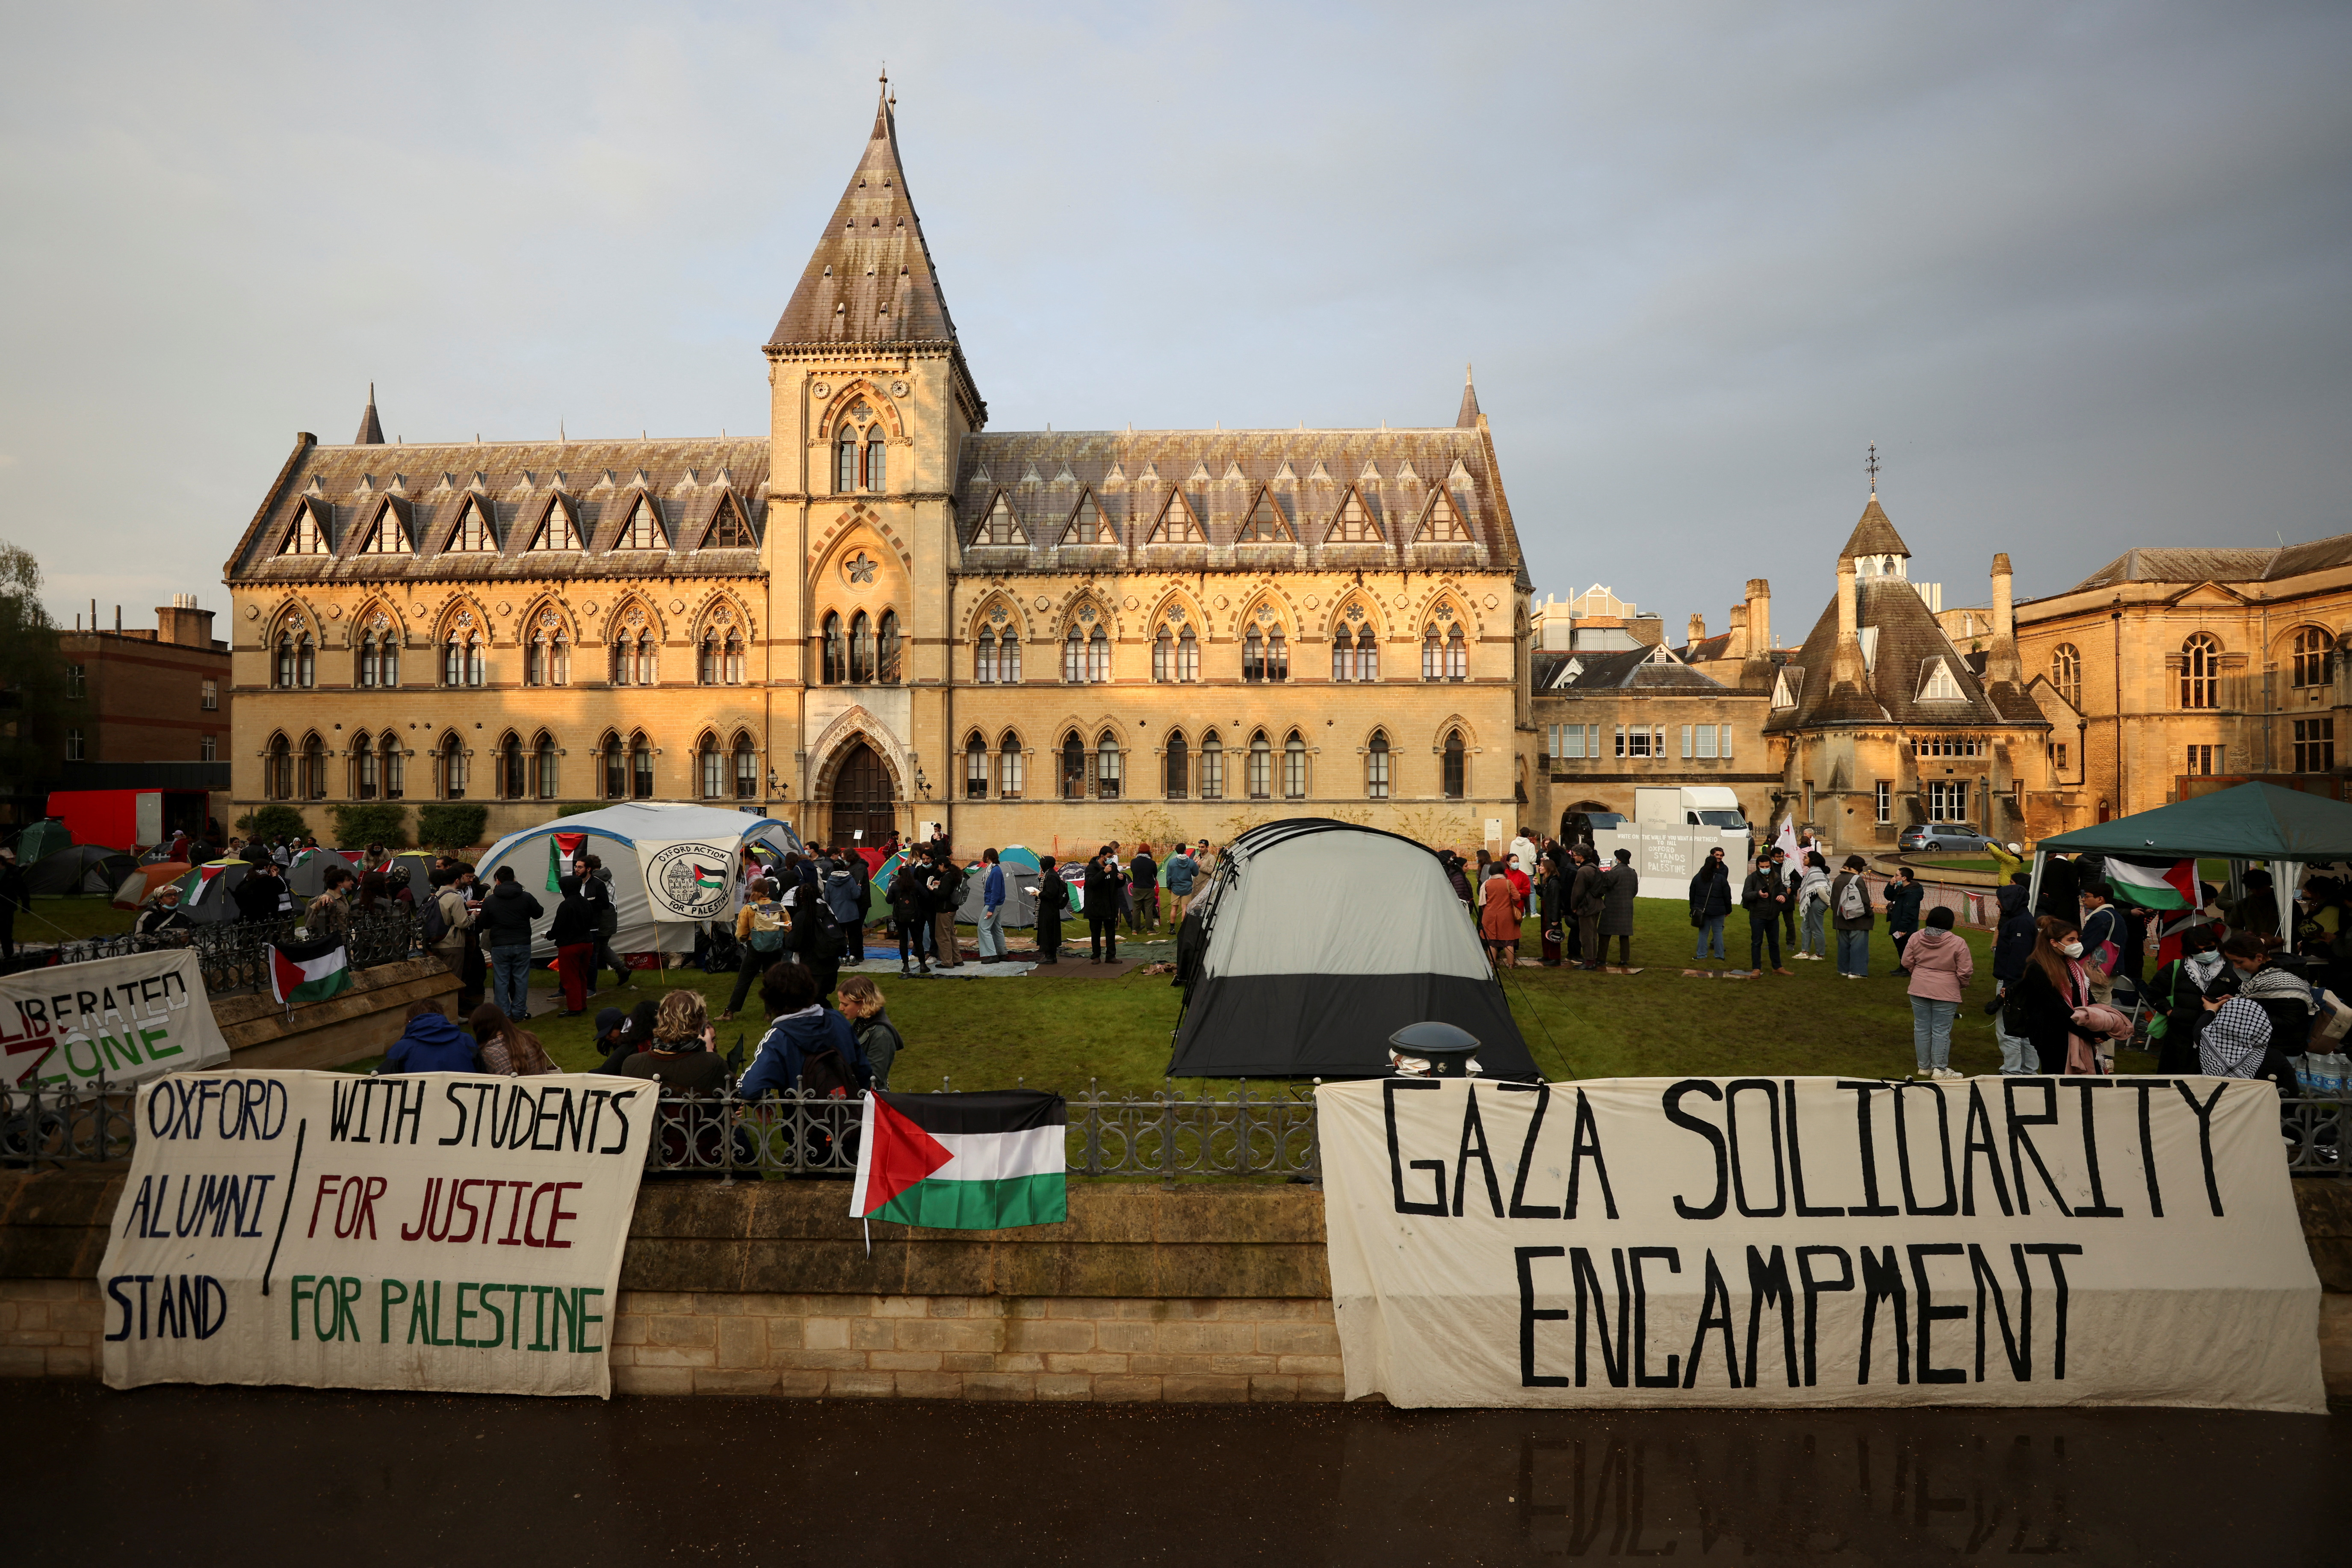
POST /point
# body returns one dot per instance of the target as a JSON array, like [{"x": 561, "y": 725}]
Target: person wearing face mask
[
  {"x": 2040, "y": 1006},
  {"x": 2282, "y": 993},
  {"x": 2178, "y": 994}
]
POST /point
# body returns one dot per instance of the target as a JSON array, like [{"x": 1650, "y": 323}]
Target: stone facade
[{"x": 884, "y": 613}]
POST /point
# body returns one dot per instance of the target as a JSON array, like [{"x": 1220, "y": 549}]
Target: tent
[
  {"x": 1316, "y": 942},
  {"x": 2249, "y": 822},
  {"x": 307, "y": 876},
  {"x": 1021, "y": 874},
  {"x": 673, "y": 866},
  {"x": 147, "y": 881},
  {"x": 80, "y": 869},
  {"x": 206, "y": 892},
  {"x": 42, "y": 839}
]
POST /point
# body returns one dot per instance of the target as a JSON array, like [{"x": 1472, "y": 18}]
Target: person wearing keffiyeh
[{"x": 2234, "y": 1038}]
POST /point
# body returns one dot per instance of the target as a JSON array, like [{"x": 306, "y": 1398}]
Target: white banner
[
  {"x": 447, "y": 1231},
  {"x": 1818, "y": 1242},
  {"x": 687, "y": 878},
  {"x": 121, "y": 1019}
]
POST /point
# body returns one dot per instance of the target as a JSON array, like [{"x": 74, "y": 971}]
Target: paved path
[{"x": 249, "y": 1476}]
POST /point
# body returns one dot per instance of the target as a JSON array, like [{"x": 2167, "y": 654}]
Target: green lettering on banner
[
  {"x": 496, "y": 1315},
  {"x": 147, "y": 1037},
  {"x": 387, "y": 1301},
  {"x": 417, "y": 1323},
  {"x": 567, "y": 1317},
  {"x": 463, "y": 1314},
  {"x": 539, "y": 1305},
  {"x": 294, "y": 1303},
  {"x": 128, "y": 1057},
  {"x": 585, "y": 1317}
]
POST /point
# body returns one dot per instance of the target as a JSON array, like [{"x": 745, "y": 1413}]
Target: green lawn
[
  {"x": 71, "y": 917},
  {"x": 1060, "y": 1034},
  {"x": 1984, "y": 863}
]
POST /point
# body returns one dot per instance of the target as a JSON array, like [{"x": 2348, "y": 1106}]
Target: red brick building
[{"x": 143, "y": 697}]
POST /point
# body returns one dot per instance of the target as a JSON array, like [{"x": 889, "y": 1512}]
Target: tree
[
  {"x": 32, "y": 678},
  {"x": 370, "y": 823},
  {"x": 451, "y": 825},
  {"x": 272, "y": 823}
]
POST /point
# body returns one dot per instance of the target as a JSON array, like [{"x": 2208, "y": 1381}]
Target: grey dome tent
[
  {"x": 80, "y": 869},
  {"x": 1317, "y": 941}
]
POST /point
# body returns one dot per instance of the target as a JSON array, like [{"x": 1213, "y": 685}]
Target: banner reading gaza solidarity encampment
[
  {"x": 443, "y": 1231},
  {"x": 1818, "y": 1242},
  {"x": 117, "y": 1019}
]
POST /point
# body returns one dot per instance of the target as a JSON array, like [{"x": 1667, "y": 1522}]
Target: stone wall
[{"x": 359, "y": 1023}]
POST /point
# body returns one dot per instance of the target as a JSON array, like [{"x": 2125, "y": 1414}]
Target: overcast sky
[{"x": 2081, "y": 270}]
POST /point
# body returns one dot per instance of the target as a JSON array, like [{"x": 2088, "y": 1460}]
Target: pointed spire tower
[
  {"x": 1469, "y": 418},
  {"x": 869, "y": 279},
  {"x": 371, "y": 428}
]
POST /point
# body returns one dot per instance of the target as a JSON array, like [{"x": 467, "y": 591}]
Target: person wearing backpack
[
  {"x": 869, "y": 1020},
  {"x": 1851, "y": 914},
  {"x": 761, "y": 926},
  {"x": 1053, "y": 898},
  {"x": 2103, "y": 940},
  {"x": 1814, "y": 903},
  {"x": 2012, "y": 948},
  {"x": 909, "y": 914},
  {"x": 816, "y": 937},
  {"x": 596, "y": 891},
  {"x": 944, "y": 888},
  {"x": 808, "y": 1045},
  {"x": 1710, "y": 902},
  {"x": 446, "y": 919}
]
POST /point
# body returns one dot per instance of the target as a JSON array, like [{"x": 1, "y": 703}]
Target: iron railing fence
[
  {"x": 49, "y": 1126},
  {"x": 231, "y": 955}
]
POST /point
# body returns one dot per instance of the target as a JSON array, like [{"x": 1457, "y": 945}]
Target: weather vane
[{"x": 1871, "y": 468}]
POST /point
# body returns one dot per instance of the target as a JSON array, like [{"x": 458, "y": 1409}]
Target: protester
[
  {"x": 909, "y": 914},
  {"x": 1053, "y": 898},
  {"x": 506, "y": 919},
  {"x": 1623, "y": 885},
  {"x": 679, "y": 1056},
  {"x": 15, "y": 898},
  {"x": 1588, "y": 899},
  {"x": 861, "y": 1004},
  {"x": 2177, "y": 995},
  {"x": 2256, "y": 913},
  {"x": 330, "y": 914},
  {"x": 376, "y": 893},
  {"x": 1710, "y": 902},
  {"x": 2279, "y": 991},
  {"x": 1523, "y": 888},
  {"x": 1764, "y": 896},
  {"x": 760, "y": 927},
  {"x": 1941, "y": 966},
  {"x": 637, "y": 1033},
  {"x": 861, "y": 879},
  {"x": 1814, "y": 903},
  {"x": 1523, "y": 857},
  {"x": 1851, "y": 914},
  {"x": 1144, "y": 881},
  {"x": 808, "y": 1046},
  {"x": 1102, "y": 906},
  {"x": 1455, "y": 874},
  {"x": 596, "y": 891},
  {"x": 507, "y": 1049},
  {"x": 262, "y": 895},
  {"x": 613, "y": 1047},
  {"x": 429, "y": 1042},
  {"x": 1500, "y": 910},
  {"x": 1903, "y": 896},
  {"x": 2102, "y": 939},
  {"x": 816, "y": 936},
  {"x": 574, "y": 932},
  {"x": 2042, "y": 1004},
  {"x": 1551, "y": 902},
  {"x": 992, "y": 909},
  {"x": 162, "y": 924},
  {"x": 1791, "y": 869},
  {"x": 2012, "y": 949},
  {"x": 456, "y": 915},
  {"x": 2235, "y": 1039},
  {"x": 943, "y": 890},
  {"x": 1183, "y": 871}
]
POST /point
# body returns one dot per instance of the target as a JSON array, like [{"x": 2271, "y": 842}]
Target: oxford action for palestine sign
[
  {"x": 440, "y": 1231},
  {"x": 1815, "y": 1242}
]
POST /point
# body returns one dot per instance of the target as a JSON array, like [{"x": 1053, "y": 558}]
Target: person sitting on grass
[
  {"x": 861, "y": 1004},
  {"x": 681, "y": 1057},
  {"x": 1941, "y": 966},
  {"x": 507, "y": 1048},
  {"x": 809, "y": 1046},
  {"x": 429, "y": 1043}
]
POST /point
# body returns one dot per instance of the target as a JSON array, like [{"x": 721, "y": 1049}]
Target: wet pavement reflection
[{"x": 263, "y": 1476}]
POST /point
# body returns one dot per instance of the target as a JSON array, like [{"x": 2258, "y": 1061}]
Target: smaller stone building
[{"x": 1612, "y": 720}]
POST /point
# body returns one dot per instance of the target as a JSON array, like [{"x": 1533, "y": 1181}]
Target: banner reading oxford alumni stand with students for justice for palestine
[
  {"x": 440, "y": 1231},
  {"x": 1818, "y": 1242}
]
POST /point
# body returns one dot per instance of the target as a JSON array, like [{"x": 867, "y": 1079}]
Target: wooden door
[{"x": 862, "y": 801}]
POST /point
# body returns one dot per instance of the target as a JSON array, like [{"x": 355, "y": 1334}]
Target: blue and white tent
[{"x": 673, "y": 864}]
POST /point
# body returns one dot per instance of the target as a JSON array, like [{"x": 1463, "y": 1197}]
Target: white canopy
[{"x": 673, "y": 866}]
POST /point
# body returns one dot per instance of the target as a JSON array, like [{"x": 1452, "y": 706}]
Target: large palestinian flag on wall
[{"x": 963, "y": 1161}]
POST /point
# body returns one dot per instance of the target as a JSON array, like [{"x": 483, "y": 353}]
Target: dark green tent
[{"x": 2249, "y": 822}]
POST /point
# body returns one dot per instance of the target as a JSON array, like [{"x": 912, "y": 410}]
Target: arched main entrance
[{"x": 864, "y": 809}]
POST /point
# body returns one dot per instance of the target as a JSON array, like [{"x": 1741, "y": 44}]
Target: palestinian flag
[
  {"x": 963, "y": 1161},
  {"x": 708, "y": 877},
  {"x": 563, "y": 849},
  {"x": 2172, "y": 887},
  {"x": 310, "y": 971}
]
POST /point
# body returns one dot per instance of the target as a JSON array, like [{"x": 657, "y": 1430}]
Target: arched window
[
  {"x": 371, "y": 661},
  {"x": 1253, "y": 657},
  {"x": 877, "y": 465},
  {"x": 641, "y": 768},
  {"x": 279, "y": 781},
  {"x": 1368, "y": 655},
  {"x": 846, "y": 456},
  {"x": 1178, "y": 767},
  {"x": 886, "y": 665},
  {"x": 1343, "y": 654},
  {"x": 1456, "y": 769},
  {"x": 1188, "y": 656},
  {"x": 550, "y": 769},
  {"x": 306, "y": 662},
  {"x": 2066, "y": 673},
  {"x": 706, "y": 664},
  {"x": 2201, "y": 671},
  {"x": 861, "y": 649},
  {"x": 710, "y": 767},
  {"x": 395, "y": 766},
  {"x": 1261, "y": 767},
  {"x": 1012, "y": 767},
  {"x": 366, "y": 781},
  {"x": 1376, "y": 767},
  {"x": 1163, "y": 657},
  {"x": 546, "y": 658},
  {"x": 836, "y": 655},
  {"x": 388, "y": 660},
  {"x": 625, "y": 660},
  {"x": 1212, "y": 766},
  {"x": 1073, "y": 657},
  {"x": 514, "y": 784},
  {"x": 1073, "y": 767},
  {"x": 1107, "y": 766},
  {"x": 648, "y": 661},
  {"x": 450, "y": 763},
  {"x": 1277, "y": 655},
  {"x": 975, "y": 768},
  {"x": 730, "y": 670},
  {"x": 286, "y": 658},
  {"x": 747, "y": 769},
  {"x": 1294, "y": 767},
  {"x": 1458, "y": 656},
  {"x": 2314, "y": 648},
  {"x": 1432, "y": 656},
  {"x": 983, "y": 659},
  {"x": 314, "y": 768},
  {"x": 616, "y": 769},
  {"x": 1099, "y": 656}
]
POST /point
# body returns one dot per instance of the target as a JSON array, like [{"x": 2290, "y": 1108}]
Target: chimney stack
[
  {"x": 1845, "y": 666},
  {"x": 2000, "y": 659},
  {"x": 182, "y": 625},
  {"x": 1760, "y": 616},
  {"x": 1738, "y": 647},
  {"x": 1697, "y": 628}
]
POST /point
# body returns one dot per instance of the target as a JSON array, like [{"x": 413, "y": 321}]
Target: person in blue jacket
[
  {"x": 431, "y": 1043},
  {"x": 800, "y": 1025},
  {"x": 992, "y": 919}
]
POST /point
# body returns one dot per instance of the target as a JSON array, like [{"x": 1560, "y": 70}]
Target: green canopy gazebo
[{"x": 2251, "y": 822}]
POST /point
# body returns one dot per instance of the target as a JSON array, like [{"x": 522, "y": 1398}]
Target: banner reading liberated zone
[
  {"x": 1818, "y": 1242},
  {"x": 111, "y": 1020},
  {"x": 443, "y": 1231}
]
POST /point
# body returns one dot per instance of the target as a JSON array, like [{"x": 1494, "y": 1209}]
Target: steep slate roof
[
  {"x": 1908, "y": 639},
  {"x": 371, "y": 428},
  {"x": 1630, "y": 668},
  {"x": 1873, "y": 535},
  {"x": 871, "y": 278},
  {"x": 2257, "y": 564},
  {"x": 1220, "y": 472},
  {"x": 1467, "y": 418},
  {"x": 598, "y": 479}
]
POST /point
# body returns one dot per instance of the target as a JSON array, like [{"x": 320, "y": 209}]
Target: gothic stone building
[{"x": 885, "y": 614}]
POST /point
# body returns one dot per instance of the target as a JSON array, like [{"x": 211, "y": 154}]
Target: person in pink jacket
[{"x": 1941, "y": 966}]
